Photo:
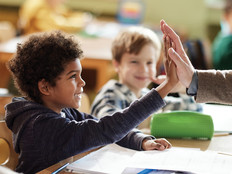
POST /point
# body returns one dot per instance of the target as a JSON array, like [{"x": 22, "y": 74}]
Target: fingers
[
  {"x": 165, "y": 48},
  {"x": 162, "y": 22},
  {"x": 174, "y": 37},
  {"x": 185, "y": 70},
  {"x": 160, "y": 144},
  {"x": 163, "y": 142},
  {"x": 175, "y": 57},
  {"x": 167, "y": 60},
  {"x": 167, "y": 45},
  {"x": 160, "y": 79},
  {"x": 157, "y": 146},
  {"x": 168, "y": 31},
  {"x": 173, "y": 45},
  {"x": 177, "y": 61}
]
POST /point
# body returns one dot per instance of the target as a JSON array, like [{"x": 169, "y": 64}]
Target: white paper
[
  {"x": 114, "y": 159},
  {"x": 208, "y": 162},
  {"x": 109, "y": 159},
  {"x": 221, "y": 115}
]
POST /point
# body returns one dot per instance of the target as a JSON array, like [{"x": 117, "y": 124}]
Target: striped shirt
[{"x": 115, "y": 96}]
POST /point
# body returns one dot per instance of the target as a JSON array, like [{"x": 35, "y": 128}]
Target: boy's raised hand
[
  {"x": 169, "y": 65},
  {"x": 184, "y": 67},
  {"x": 170, "y": 69},
  {"x": 157, "y": 144},
  {"x": 179, "y": 88}
]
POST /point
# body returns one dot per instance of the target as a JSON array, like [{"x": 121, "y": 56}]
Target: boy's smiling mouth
[
  {"x": 141, "y": 78},
  {"x": 78, "y": 95}
]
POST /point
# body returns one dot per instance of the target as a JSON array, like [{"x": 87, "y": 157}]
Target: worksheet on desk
[
  {"x": 109, "y": 159},
  {"x": 114, "y": 159},
  {"x": 208, "y": 162}
]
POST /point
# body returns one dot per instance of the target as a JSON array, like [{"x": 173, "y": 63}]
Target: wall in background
[{"x": 198, "y": 18}]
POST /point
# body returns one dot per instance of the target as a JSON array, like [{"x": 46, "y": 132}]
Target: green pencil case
[{"x": 182, "y": 124}]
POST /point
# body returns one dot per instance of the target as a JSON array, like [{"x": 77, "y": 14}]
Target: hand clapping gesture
[{"x": 184, "y": 68}]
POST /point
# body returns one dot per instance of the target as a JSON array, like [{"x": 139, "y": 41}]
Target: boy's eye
[
  {"x": 150, "y": 62},
  {"x": 134, "y": 61},
  {"x": 73, "y": 76}
]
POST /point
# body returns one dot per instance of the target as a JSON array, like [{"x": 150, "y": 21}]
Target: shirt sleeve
[
  {"x": 134, "y": 140},
  {"x": 73, "y": 136},
  {"x": 192, "y": 90}
]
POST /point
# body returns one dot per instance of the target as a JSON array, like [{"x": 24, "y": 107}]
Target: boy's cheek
[{"x": 152, "y": 73}]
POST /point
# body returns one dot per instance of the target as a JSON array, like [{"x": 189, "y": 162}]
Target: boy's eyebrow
[{"x": 72, "y": 71}]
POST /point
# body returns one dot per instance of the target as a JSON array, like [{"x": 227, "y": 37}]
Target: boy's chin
[
  {"x": 141, "y": 86},
  {"x": 78, "y": 106}
]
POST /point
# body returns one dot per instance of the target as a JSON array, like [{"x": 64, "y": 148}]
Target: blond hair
[{"x": 132, "y": 41}]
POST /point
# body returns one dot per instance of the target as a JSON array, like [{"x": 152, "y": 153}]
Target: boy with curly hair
[{"x": 46, "y": 125}]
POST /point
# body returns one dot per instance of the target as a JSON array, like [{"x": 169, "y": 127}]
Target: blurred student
[
  {"x": 222, "y": 45},
  {"x": 135, "y": 52},
  {"x": 46, "y": 125},
  {"x": 46, "y": 15},
  {"x": 206, "y": 85}
]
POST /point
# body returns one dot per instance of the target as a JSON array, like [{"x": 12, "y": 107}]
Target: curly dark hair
[{"x": 42, "y": 56}]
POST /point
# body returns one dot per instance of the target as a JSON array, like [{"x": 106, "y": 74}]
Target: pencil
[
  {"x": 221, "y": 134},
  {"x": 223, "y": 153}
]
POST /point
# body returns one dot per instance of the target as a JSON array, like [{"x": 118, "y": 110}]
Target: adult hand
[
  {"x": 170, "y": 69},
  {"x": 185, "y": 69}
]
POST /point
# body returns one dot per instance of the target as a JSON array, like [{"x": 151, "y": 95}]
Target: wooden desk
[
  {"x": 54, "y": 167},
  {"x": 97, "y": 52},
  {"x": 218, "y": 143}
]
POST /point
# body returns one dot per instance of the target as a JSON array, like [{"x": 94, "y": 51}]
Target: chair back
[
  {"x": 4, "y": 151},
  {"x": 8, "y": 157},
  {"x": 4, "y": 99}
]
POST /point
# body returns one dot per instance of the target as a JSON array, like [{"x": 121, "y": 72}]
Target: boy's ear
[
  {"x": 116, "y": 65},
  {"x": 43, "y": 87}
]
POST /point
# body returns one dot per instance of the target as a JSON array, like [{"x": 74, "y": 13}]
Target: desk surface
[{"x": 218, "y": 143}]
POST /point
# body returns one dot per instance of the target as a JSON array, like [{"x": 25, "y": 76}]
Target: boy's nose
[
  {"x": 143, "y": 68},
  {"x": 81, "y": 82}
]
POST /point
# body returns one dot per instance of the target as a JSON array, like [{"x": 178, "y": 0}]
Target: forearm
[
  {"x": 89, "y": 133},
  {"x": 134, "y": 140},
  {"x": 214, "y": 86}
]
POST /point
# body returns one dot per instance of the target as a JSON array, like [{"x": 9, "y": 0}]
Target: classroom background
[
  {"x": 196, "y": 21},
  {"x": 199, "y": 18}
]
